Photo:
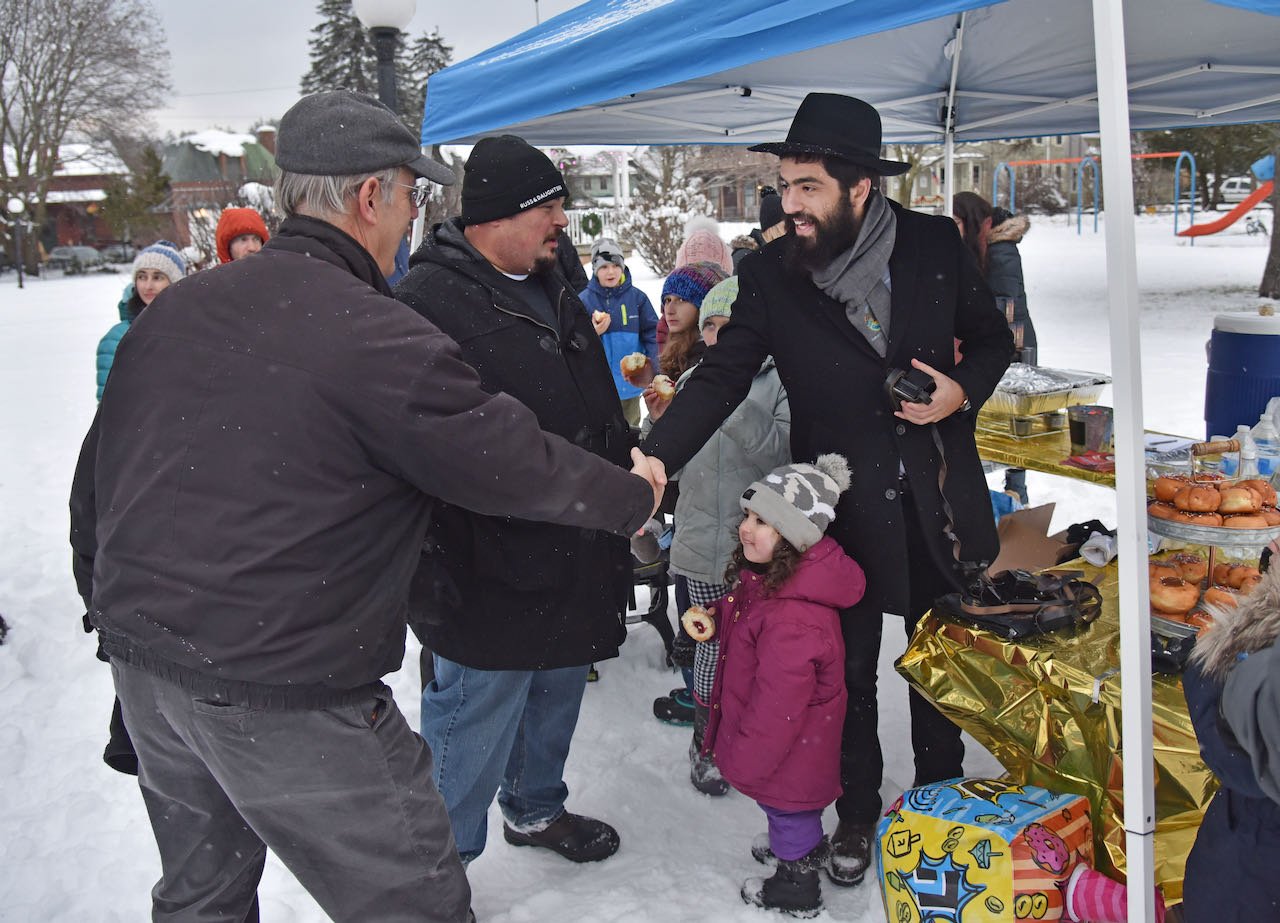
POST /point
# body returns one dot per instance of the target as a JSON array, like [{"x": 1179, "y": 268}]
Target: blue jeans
[{"x": 503, "y": 731}]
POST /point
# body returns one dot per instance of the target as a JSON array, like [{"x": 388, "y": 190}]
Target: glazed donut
[
  {"x": 633, "y": 367},
  {"x": 699, "y": 623},
  {"x": 1220, "y": 596},
  {"x": 1196, "y": 519},
  {"x": 1198, "y": 618},
  {"x": 1239, "y": 574},
  {"x": 1191, "y": 567},
  {"x": 1239, "y": 500},
  {"x": 1245, "y": 521},
  {"x": 665, "y": 387},
  {"x": 1162, "y": 569},
  {"x": 1196, "y": 499},
  {"x": 1271, "y": 515},
  {"x": 1263, "y": 487},
  {"x": 1173, "y": 595},
  {"x": 1162, "y": 510},
  {"x": 1165, "y": 487}
]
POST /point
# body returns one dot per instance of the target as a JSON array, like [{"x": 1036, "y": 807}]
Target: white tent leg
[
  {"x": 948, "y": 174},
  {"x": 1126, "y": 366}
]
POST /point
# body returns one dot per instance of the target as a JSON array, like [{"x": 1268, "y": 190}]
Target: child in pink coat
[{"x": 778, "y": 703}]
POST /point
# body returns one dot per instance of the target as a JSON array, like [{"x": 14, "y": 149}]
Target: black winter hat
[
  {"x": 770, "y": 209},
  {"x": 504, "y": 176},
  {"x": 832, "y": 125}
]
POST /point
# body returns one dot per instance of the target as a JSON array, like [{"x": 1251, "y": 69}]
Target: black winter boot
[
  {"x": 674, "y": 708},
  {"x": 850, "y": 853},
  {"x": 577, "y": 838},
  {"x": 702, "y": 768},
  {"x": 793, "y": 888}
]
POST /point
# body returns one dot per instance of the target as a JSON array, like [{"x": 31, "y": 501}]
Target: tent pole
[
  {"x": 1135, "y": 613},
  {"x": 954, "y": 47}
]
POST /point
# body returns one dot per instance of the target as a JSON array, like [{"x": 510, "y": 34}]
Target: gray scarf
[{"x": 856, "y": 278}]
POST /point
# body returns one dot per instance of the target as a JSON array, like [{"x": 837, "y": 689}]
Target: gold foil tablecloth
[
  {"x": 1048, "y": 709},
  {"x": 1037, "y": 453}
]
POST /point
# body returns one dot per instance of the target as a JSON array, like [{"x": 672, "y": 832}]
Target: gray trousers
[{"x": 343, "y": 796}]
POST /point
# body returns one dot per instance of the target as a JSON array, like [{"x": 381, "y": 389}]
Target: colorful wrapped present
[{"x": 981, "y": 851}]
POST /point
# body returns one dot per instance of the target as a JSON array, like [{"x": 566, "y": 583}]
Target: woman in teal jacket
[
  {"x": 631, "y": 325},
  {"x": 154, "y": 269}
]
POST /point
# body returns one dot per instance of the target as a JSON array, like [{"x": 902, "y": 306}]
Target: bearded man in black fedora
[{"x": 858, "y": 288}]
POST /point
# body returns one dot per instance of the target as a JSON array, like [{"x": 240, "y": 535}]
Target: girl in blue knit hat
[
  {"x": 682, "y": 296},
  {"x": 154, "y": 269}
]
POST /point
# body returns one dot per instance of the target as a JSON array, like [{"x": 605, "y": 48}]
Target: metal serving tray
[{"x": 1245, "y": 539}]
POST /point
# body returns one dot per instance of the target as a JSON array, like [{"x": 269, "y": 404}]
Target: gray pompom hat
[{"x": 799, "y": 500}]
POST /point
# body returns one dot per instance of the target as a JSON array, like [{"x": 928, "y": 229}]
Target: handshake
[{"x": 653, "y": 471}]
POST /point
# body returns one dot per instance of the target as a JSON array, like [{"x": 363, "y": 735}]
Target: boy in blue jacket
[{"x": 623, "y": 317}]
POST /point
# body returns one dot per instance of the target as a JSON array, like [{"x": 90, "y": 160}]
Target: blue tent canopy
[{"x": 686, "y": 71}]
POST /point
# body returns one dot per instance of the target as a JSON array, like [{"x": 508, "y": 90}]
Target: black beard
[
  {"x": 543, "y": 265},
  {"x": 833, "y": 235}
]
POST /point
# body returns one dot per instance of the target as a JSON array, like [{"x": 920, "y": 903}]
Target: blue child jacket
[{"x": 633, "y": 325}]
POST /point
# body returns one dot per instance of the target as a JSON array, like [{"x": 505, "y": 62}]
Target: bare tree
[{"x": 71, "y": 66}]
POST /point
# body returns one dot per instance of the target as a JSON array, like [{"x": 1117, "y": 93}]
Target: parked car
[
  {"x": 1236, "y": 188},
  {"x": 119, "y": 253},
  {"x": 73, "y": 259}
]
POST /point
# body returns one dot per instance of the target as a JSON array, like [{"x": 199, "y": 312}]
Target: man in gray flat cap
[{"x": 248, "y": 509}]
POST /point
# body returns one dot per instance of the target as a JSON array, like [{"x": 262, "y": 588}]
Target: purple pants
[{"x": 793, "y": 834}]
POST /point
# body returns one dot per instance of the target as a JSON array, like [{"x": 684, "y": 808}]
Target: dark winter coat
[
  {"x": 633, "y": 326},
  {"x": 130, "y": 306},
  {"x": 1004, "y": 270},
  {"x": 500, "y": 593},
  {"x": 252, "y": 497},
  {"x": 778, "y": 704},
  {"x": 1231, "y": 870},
  {"x": 835, "y": 386},
  {"x": 570, "y": 262}
]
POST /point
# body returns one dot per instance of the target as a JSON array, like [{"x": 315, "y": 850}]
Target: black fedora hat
[{"x": 836, "y": 126}]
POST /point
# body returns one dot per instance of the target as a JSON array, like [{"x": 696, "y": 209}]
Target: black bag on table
[{"x": 1016, "y": 604}]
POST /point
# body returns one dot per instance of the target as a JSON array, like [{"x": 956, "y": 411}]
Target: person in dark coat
[
  {"x": 247, "y": 512},
  {"x": 993, "y": 235},
  {"x": 1232, "y": 695},
  {"x": 570, "y": 263},
  {"x": 857, "y": 288},
  {"x": 514, "y": 611}
]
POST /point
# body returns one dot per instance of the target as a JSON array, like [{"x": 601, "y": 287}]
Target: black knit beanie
[{"x": 504, "y": 176}]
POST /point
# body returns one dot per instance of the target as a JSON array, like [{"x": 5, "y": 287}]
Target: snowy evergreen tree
[
  {"x": 667, "y": 195},
  {"x": 428, "y": 54},
  {"x": 342, "y": 55}
]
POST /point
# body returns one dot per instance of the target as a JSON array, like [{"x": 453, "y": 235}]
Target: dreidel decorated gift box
[{"x": 981, "y": 851}]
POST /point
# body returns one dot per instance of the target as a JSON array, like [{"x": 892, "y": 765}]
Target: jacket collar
[{"x": 301, "y": 234}]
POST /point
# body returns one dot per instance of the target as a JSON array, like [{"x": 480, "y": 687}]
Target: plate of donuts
[
  {"x": 1184, "y": 590},
  {"x": 1214, "y": 512}
]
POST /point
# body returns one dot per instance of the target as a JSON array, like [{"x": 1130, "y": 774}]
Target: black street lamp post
[{"x": 385, "y": 19}]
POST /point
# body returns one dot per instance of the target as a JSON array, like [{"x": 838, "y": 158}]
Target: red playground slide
[{"x": 1231, "y": 217}]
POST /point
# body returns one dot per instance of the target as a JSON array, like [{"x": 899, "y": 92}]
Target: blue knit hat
[
  {"x": 164, "y": 256},
  {"x": 692, "y": 282}
]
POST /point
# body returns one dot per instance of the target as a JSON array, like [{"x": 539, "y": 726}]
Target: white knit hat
[
  {"x": 164, "y": 256},
  {"x": 799, "y": 500}
]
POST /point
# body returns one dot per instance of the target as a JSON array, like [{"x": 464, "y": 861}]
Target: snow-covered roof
[
  {"x": 215, "y": 141},
  {"x": 77, "y": 158},
  {"x": 63, "y": 196}
]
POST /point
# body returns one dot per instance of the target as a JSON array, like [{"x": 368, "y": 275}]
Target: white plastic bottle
[
  {"x": 1248, "y": 453},
  {"x": 1267, "y": 440}
]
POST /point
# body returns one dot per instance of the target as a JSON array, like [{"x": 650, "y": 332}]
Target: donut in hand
[
  {"x": 636, "y": 368},
  {"x": 664, "y": 386},
  {"x": 699, "y": 623}
]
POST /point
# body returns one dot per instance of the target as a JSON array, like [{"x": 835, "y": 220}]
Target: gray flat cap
[{"x": 340, "y": 133}]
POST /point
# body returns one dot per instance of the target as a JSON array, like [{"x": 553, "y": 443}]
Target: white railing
[{"x": 609, "y": 224}]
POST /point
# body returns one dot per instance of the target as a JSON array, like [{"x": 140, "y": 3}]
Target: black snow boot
[
  {"x": 577, "y": 838},
  {"x": 674, "y": 708},
  {"x": 793, "y": 888},
  {"x": 850, "y": 853},
  {"x": 703, "y": 773}
]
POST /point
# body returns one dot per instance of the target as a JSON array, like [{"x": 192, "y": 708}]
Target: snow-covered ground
[{"x": 75, "y": 844}]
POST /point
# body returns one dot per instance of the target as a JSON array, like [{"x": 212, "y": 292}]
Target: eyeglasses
[{"x": 419, "y": 194}]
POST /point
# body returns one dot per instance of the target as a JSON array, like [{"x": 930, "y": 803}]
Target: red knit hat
[{"x": 233, "y": 223}]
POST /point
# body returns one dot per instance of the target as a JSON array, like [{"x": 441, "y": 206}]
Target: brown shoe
[
  {"x": 850, "y": 853},
  {"x": 577, "y": 838}
]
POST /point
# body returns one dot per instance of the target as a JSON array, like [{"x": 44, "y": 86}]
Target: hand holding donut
[
  {"x": 657, "y": 397},
  {"x": 699, "y": 623},
  {"x": 600, "y": 320},
  {"x": 637, "y": 368}
]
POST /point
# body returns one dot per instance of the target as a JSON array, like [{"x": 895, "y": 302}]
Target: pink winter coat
[{"x": 777, "y": 707}]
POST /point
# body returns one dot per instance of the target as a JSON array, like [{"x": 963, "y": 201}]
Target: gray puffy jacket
[{"x": 752, "y": 441}]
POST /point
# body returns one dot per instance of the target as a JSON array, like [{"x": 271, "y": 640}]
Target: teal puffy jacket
[{"x": 130, "y": 306}]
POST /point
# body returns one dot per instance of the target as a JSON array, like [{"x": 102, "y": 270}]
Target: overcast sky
[{"x": 237, "y": 62}]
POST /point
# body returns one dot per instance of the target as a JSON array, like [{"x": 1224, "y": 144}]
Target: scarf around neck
[{"x": 857, "y": 277}]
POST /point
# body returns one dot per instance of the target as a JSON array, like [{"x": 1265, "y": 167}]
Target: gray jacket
[{"x": 752, "y": 441}]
